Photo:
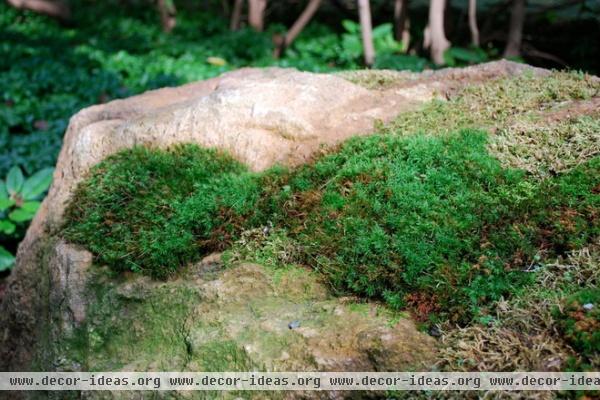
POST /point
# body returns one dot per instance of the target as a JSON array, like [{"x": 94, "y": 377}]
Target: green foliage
[
  {"x": 415, "y": 219},
  {"x": 386, "y": 47},
  {"x": 321, "y": 49},
  {"x": 579, "y": 321},
  {"x": 401, "y": 62},
  {"x": 7, "y": 260},
  {"x": 19, "y": 201},
  {"x": 460, "y": 56}
]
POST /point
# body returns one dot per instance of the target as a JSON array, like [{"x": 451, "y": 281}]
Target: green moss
[
  {"x": 497, "y": 102},
  {"x": 223, "y": 355},
  {"x": 136, "y": 210},
  {"x": 137, "y": 325},
  {"x": 446, "y": 222},
  {"x": 543, "y": 312},
  {"x": 404, "y": 219},
  {"x": 581, "y": 325},
  {"x": 432, "y": 216}
]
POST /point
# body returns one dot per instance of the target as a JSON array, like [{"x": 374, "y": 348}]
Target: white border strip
[{"x": 186, "y": 381}]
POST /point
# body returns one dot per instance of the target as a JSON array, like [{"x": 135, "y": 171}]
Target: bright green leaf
[
  {"x": 31, "y": 206},
  {"x": 7, "y": 227},
  {"x": 14, "y": 180},
  {"x": 21, "y": 215},
  {"x": 37, "y": 184},
  {"x": 351, "y": 26},
  {"x": 3, "y": 191},
  {"x": 7, "y": 260},
  {"x": 5, "y": 204}
]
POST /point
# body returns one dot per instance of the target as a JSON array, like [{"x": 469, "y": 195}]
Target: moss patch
[
  {"x": 544, "y": 147},
  {"x": 528, "y": 116},
  {"x": 135, "y": 325},
  {"x": 403, "y": 219},
  {"x": 237, "y": 320},
  {"x": 153, "y": 211},
  {"x": 536, "y": 330},
  {"x": 579, "y": 321},
  {"x": 497, "y": 102}
]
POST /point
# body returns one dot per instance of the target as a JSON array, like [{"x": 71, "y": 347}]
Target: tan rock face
[{"x": 262, "y": 117}]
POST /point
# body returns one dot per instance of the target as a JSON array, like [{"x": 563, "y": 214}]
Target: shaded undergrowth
[{"x": 435, "y": 223}]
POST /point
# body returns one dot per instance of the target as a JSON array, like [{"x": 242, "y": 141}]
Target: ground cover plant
[
  {"x": 19, "y": 201},
  {"x": 49, "y": 71}
]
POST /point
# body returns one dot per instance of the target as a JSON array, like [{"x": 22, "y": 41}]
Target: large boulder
[{"x": 61, "y": 312}]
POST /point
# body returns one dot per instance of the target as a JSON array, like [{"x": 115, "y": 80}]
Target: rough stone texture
[
  {"x": 262, "y": 117},
  {"x": 68, "y": 269}
]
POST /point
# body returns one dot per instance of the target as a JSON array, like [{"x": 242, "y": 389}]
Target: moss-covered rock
[{"x": 454, "y": 213}]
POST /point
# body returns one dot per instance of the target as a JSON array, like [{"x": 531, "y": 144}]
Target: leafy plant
[
  {"x": 19, "y": 201},
  {"x": 383, "y": 41},
  {"x": 7, "y": 260},
  {"x": 460, "y": 56}
]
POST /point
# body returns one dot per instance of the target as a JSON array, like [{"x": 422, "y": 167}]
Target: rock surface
[{"x": 56, "y": 299}]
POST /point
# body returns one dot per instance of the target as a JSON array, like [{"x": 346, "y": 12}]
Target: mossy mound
[
  {"x": 405, "y": 219},
  {"x": 154, "y": 211}
]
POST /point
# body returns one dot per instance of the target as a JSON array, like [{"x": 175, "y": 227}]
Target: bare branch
[
  {"x": 515, "y": 30},
  {"x": 55, "y": 9},
  {"x": 236, "y": 15},
  {"x": 473, "y": 23},
  {"x": 366, "y": 30},
  {"x": 282, "y": 43}
]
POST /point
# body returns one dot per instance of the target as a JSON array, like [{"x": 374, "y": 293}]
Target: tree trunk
[
  {"x": 168, "y": 14},
  {"x": 55, "y": 9},
  {"x": 225, "y": 7},
  {"x": 282, "y": 43},
  {"x": 401, "y": 23},
  {"x": 435, "y": 37},
  {"x": 256, "y": 14},
  {"x": 236, "y": 15},
  {"x": 366, "y": 30},
  {"x": 515, "y": 30},
  {"x": 473, "y": 23}
]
